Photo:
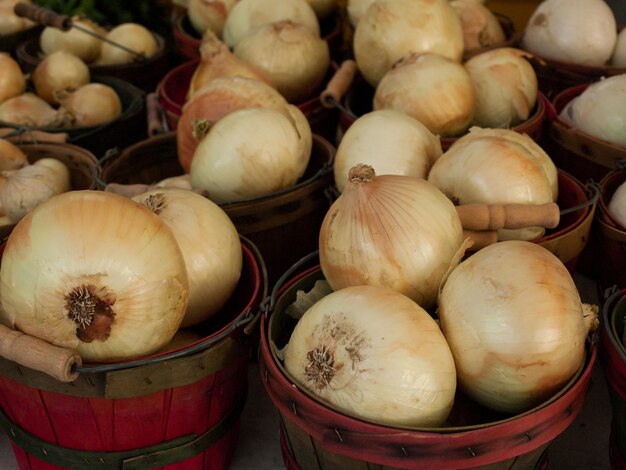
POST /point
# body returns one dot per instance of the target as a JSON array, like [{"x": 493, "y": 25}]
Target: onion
[
  {"x": 435, "y": 90},
  {"x": 250, "y": 153},
  {"x": 12, "y": 80},
  {"x": 11, "y": 156},
  {"x": 83, "y": 45},
  {"x": 210, "y": 245},
  {"x": 324, "y": 8},
  {"x": 574, "y": 31},
  {"x": 59, "y": 72},
  {"x": 91, "y": 105},
  {"x": 356, "y": 9},
  {"x": 95, "y": 272},
  {"x": 390, "y": 230},
  {"x": 619, "y": 54},
  {"x": 10, "y": 23},
  {"x": 515, "y": 324},
  {"x": 31, "y": 111},
  {"x": 214, "y": 101},
  {"x": 391, "y": 29},
  {"x": 131, "y": 35},
  {"x": 506, "y": 87},
  {"x": 481, "y": 27},
  {"x": 294, "y": 58},
  {"x": 248, "y": 14},
  {"x": 600, "y": 110},
  {"x": 209, "y": 15},
  {"x": 374, "y": 354},
  {"x": 617, "y": 205},
  {"x": 497, "y": 166},
  {"x": 389, "y": 141}
]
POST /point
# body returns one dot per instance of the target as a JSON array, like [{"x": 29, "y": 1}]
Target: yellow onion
[
  {"x": 95, "y": 272},
  {"x": 59, "y": 72},
  {"x": 355, "y": 10},
  {"x": 391, "y": 29},
  {"x": 30, "y": 110},
  {"x": 11, "y": 156},
  {"x": 619, "y": 53},
  {"x": 293, "y": 58},
  {"x": 210, "y": 245},
  {"x": 394, "y": 231},
  {"x": 515, "y": 324},
  {"x": 12, "y": 80},
  {"x": 134, "y": 37},
  {"x": 481, "y": 27},
  {"x": 209, "y": 15},
  {"x": 577, "y": 32},
  {"x": 374, "y": 354},
  {"x": 506, "y": 87},
  {"x": 435, "y": 90},
  {"x": 10, "y": 23},
  {"x": 250, "y": 153},
  {"x": 248, "y": 14},
  {"x": 83, "y": 45},
  {"x": 93, "y": 104},
  {"x": 389, "y": 141},
  {"x": 497, "y": 166}
]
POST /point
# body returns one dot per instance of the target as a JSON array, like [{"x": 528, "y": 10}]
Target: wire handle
[{"x": 42, "y": 16}]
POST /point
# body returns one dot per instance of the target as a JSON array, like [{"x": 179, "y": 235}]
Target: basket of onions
[
  {"x": 14, "y": 29},
  {"x": 562, "y": 56},
  {"x": 107, "y": 317}
]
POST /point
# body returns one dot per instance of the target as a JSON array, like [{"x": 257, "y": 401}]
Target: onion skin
[
  {"x": 12, "y": 80},
  {"x": 11, "y": 156},
  {"x": 209, "y": 15},
  {"x": 481, "y": 27},
  {"x": 132, "y": 35},
  {"x": 60, "y": 71},
  {"x": 619, "y": 54},
  {"x": 30, "y": 110},
  {"x": 91, "y": 105},
  {"x": 84, "y": 46}
]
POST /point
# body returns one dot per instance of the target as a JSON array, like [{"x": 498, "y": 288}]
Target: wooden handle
[
  {"x": 480, "y": 238},
  {"x": 510, "y": 216},
  {"x": 37, "y": 354},
  {"x": 154, "y": 115},
  {"x": 43, "y": 16},
  {"x": 339, "y": 84}
]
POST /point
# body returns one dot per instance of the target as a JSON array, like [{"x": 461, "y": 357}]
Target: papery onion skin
[
  {"x": 209, "y": 15},
  {"x": 11, "y": 156},
  {"x": 356, "y": 9},
  {"x": 481, "y": 27},
  {"x": 93, "y": 104},
  {"x": 391, "y": 29},
  {"x": 374, "y": 354},
  {"x": 431, "y": 88},
  {"x": 133, "y": 36},
  {"x": 389, "y": 141},
  {"x": 82, "y": 45},
  {"x": 619, "y": 53},
  {"x": 60, "y": 71},
  {"x": 390, "y": 230},
  {"x": 30, "y": 110},
  {"x": 12, "y": 80},
  {"x": 515, "y": 324},
  {"x": 101, "y": 247},
  {"x": 10, "y": 23}
]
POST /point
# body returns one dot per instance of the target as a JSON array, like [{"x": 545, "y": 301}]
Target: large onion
[
  {"x": 12, "y": 80},
  {"x": 93, "y": 104},
  {"x": 95, "y": 272},
  {"x": 79, "y": 43},
  {"x": 59, "y": 72},
  {"x": 617, "y": 205},
  {"x": 389, "y": 141},
  {"x": 573, "y": 31},
  {"x": 133, "y": 36},
  {"x": 391, "y": 29},
  {"x": 431, "y": 88},
  {"x": 356, "y": 9},
  {"x": 619, "y": 54},
  {"x": 374, "y": 354},
  {"x": 210, "y": 245},
  {"x": 481, "y": 27},
  {"x": 515, "y": 323},
  {"x": 390, "y": 230},
  {"x": 30, "y": 110},
  {"x": 209, "y": 15}
]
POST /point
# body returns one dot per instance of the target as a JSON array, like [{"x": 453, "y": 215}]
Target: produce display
[{"x": 10, "y": 23}]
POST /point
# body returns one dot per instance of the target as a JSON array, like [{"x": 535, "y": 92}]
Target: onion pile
[{"x": 85, "y": 46}]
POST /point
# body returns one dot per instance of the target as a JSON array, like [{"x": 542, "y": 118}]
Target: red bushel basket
[
  {"x": 178, "y": 409},
  {"x": 315, "y": 436}
]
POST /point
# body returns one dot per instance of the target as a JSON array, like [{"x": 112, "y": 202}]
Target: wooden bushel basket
[
  {"x": 317, "y": 437},
  {"x": 177, "y": 409}
]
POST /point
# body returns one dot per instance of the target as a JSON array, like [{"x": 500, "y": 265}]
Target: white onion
[
  {"x": 30, "y": 110},
  {"x": 374, "y": 354},
  {"x": 79, "y": 43},
  {"x": 431, "y": 88},
  {"x": 515, "y": 324},
  {"x": 209, "y": 14},
  {"x": 572, "y": 31},
  {"x": 389, "y": 141},
  {"x": 12, "y": 80},
  {"x": 59, "y": 72},
  {"x": 391, "y": 29},
  {"x": 619, "y": 54},
  {"x": 356, "y": 9},
  {"x": 294, "y": 59},
  {"x": 12, "y": 157},
  {"x": 506, "y": 87},
  {"x": 91, "y": 105},
  {"x": 481, "y": 27},
  {"x": 10, "y": 23},
  {"x": 133, "y": 36},
  {"x": 600, "y": 110},
  {"x": 617, "y": 205},
  {"x": 248, "y": 14}
]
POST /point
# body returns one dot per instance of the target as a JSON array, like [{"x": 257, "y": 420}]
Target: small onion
[
  {"x": 356, "y": 9},
  {"x": 12, "y": 80},
  {"x": 248, "y": 14},
  {"x": 573, "y": 31},
  {"x": 134, "y": 37},
  {"x": 94, "y": 272},
  {"x": 514, "y": 321},
  {"x": 250, "y": 153},
  {"x": 600, "y": 110},
  {"x": 619, "y": 54},
  {"x": 209, "y": 15},
  {"x": 391, "y": 29},
  {"x": 10, "y": 23},
  {"x": 431, "y": 88},
  {"x": 11, "y": 156},
  {"x": 481, "y": 27},
  {"x": 83, "y": 45},
  {"x": 374, "y": 354},
  {"x": 210, "y": 245},
  {"x": 390, "y": 230},
  {"x": 293, "y": 58},
  {"x": 389, "y": 141},
  {"x": 506, "y": 87},
  {"x": 59, "y": 72},
  {"x": 617, "y": 205},
  {"x": 30, "y": 110},
  {"x": 91, "y": 105}
]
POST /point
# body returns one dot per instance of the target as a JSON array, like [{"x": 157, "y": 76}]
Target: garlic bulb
[
  {"x": 11, "y": 156},
  {"x": 435, "y": 90},
  {"x": 515, "y": 323},
  {"x": 59, "y": 72},
  {"x": 95, "y": 272},
  {"x": 481, "y": 27},
  {"x": 391, "y": 142},
  {"x": 617, "y": 205},
  {"x": 506, "y": 87},
  {"x": 12, "y": 80},
  {"x": 209, "y": 15},
  {"x": 619, "y": 53},
  {"x": 374, "y": 354},
  {"x": 390, "y": 230},
  {"x": 210, "y": 245},
  {"x": 133, "y": 36}
]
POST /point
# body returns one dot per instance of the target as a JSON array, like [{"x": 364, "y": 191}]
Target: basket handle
[
  {"x": 331, "y": 96},
  {"x": 42, "y": 16},
  {"x": 153, "y": 114}
]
